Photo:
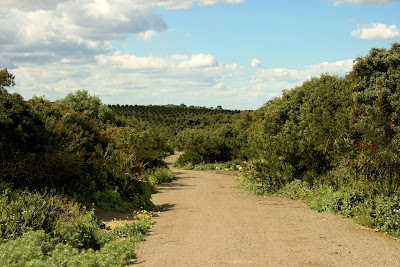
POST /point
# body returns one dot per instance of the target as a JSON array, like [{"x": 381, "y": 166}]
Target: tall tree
[{"x": 6, "y": 79}]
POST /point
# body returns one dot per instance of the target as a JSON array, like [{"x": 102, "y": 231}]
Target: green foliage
[
  {"x": 329, "y": 137},
  {"x": 304, "y": 127},
  {"x": 133, "y": 149},
  {"x": 137, "y": 230},
  {"x": 65, "y": 220},
  {"x": 333, "y": 142},
  {"x": 376, "y": 95},
  {"x": 111, "y": 200},
  {"x": 43, "y": 145},
  {"x": 359, "y": 202},
  {"x": 34, "y": 245},
  {"x": 39, "y": 249},
  {"x": 21, "y": 129},
  {"x": 129, "y": 152},
  {"x": 266, "y": 176},
  {"x": 46, "y": 230},
  {"x": 189, "y": 158},
  {"x": 170, "y": 118},
  {"x": 92, "y": 106},
  {"x": 51, "y": 148},
  {"x": 159, "y": 175},
  {"x": 202, "y": 146},
  {"x": 297, "y": 189},
  {"x": 385, "y": 214},
  {"x": 6, "y": 79},
  {"x": 82, "y": 233}
]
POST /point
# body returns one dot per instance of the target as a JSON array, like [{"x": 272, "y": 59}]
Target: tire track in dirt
[{"x": 204, "y": 219}]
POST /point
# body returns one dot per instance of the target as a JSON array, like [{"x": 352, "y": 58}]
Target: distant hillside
[{"x": 173, "y": 117}]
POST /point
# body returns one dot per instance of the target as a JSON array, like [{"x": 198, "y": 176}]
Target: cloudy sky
[{"x": 234, "y": 53}]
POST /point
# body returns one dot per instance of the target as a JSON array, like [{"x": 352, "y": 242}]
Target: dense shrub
[
  {"x": 327, "y": 136},
  {"x": 51, "y": 148},
  {"x": 92, "y": 106},
  {"x": 159, "y": 175},
  {"x": 111, "y": 200},
  {"x": 189, "y": 158},
  {"x": 333, "y": 142},
  {"x": 37, "y": 248},
  {"x": 44, "y": 145},
  {"x": 202, "y": 146},
  {"x": 23, "y": 211},
  {"x": 48, "y": 230},
  {"x": 266, "y": 176}
]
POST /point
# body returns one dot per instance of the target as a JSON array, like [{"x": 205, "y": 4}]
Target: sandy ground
[{"x": 204, "y": 219}]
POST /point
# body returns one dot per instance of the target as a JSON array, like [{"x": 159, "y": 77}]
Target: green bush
[
  {"x": 266, "y": 176},
  {"x": 23, "y": 211},
  {"x": 200, "y": 145},
  {"x": 83, "y": 233},
  {"x": 386, "y": 214},
  {"x": 189, "y": 157},
  {"x": 33, "y": 245},
  {"x": 159, "y": 175},
  {"x": 137, "y": 230},
  {"x": 111, "y": 200},
  {"x": 37, "y": 248},
  {"x": 142, "y": 195},
  {"x": 297, "y": 189},
  {"x": 348, "y": 201},
  {"x": 320, "y": 198}
]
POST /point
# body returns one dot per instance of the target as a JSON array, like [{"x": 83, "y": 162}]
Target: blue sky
[{"x": 234, "y": 53}]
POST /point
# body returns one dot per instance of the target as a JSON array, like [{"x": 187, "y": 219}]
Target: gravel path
[{"x": 204, "y": 219}]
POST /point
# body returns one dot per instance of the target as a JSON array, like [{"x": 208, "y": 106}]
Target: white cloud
[
  {"x": 121, "y": 75},
  {"x": 49, "y": 30},
  {"x": 200, "y": 61},
  {"x": 169, "y": 4},
  {"x": 31, "y": 4},
  {"x": 276, "y": 80},
  {"x": 147, "y": 36},
  {"x": 74, "y": 28},
  {"x": 191, "y": 79},
  {"x": 54, "y": 47},
  {"x": 185, "y": 4},
  {"x": 255, "y": 63},
  {"x": 376, "y": 31},
  {"x": 364, "y": 2}
]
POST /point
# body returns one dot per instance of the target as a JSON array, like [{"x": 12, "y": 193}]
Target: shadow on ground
[{"x": 164, "y": 207}]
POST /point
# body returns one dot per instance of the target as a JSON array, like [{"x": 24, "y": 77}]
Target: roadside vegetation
[
  {"x": 57, "y": 161},
  {"x": 332, "y": 142}
]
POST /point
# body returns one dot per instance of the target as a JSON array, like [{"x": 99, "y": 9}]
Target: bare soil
[
  {"x": 204, "y": 219},
  {"x": 114, "y": 219}
]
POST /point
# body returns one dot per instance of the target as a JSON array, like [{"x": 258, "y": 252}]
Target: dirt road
[{"x": 206, "y": 220}]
